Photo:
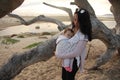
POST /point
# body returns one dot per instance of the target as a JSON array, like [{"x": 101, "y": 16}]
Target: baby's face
[{"x": 68, "y": 34}]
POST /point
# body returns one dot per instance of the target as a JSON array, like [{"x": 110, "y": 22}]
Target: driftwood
[{"x": 44, "y": 51}]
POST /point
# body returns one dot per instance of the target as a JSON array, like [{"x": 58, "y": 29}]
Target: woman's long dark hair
[{"x": 84, "y": 22}]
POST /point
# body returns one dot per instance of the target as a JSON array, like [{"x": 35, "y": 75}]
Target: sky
[{"x": 36, "y": 7}]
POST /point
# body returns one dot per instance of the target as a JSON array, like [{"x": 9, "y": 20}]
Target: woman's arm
[
  {"x": 75, "y": 39},
  {"x": 76, "y": 52}
]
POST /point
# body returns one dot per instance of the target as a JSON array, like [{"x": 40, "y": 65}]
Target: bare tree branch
[
  {"x": 68, "y": 10},
  {"x": 84, "y": 4},
  {"x": 61, "y": 25},
  {"x": 18, "y": 17}
]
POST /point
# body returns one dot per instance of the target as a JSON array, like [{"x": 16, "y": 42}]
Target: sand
[{"x": 51, "y": 69}]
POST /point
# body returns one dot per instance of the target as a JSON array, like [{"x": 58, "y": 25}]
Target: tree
[
  {"x": 44, "y": 51},
  {"x": 101, "y": 32}
]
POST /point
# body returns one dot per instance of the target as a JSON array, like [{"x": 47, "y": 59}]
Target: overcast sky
[{"x": 36, "y": 7}]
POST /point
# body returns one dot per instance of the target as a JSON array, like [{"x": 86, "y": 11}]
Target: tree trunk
[
  {"x": 7, "y": 6},
  {"x": 115, "y": 9},
  {"x": 83, "y": 3},
  {"x": 101, "y": 32},
  {"x": 18, "y": 62}
]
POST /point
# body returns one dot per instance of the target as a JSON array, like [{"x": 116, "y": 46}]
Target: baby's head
[{"x": 68, "y": 32}]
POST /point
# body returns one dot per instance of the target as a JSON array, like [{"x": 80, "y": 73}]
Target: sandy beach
[{"x": 51, "y": 69}]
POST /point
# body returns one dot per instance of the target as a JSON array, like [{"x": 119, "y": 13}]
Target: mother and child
[{"x": 71, "y": 44}]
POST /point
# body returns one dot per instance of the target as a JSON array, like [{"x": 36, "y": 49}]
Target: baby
[{"x": 63, "y": 43}]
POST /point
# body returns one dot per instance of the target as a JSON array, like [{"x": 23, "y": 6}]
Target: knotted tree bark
[{"x": 115, "y": 9}]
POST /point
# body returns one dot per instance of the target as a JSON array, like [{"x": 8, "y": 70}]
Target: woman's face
[{"x": 76, "y": 20}]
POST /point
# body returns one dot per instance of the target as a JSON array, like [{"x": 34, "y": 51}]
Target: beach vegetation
[
  {"x": 32, "y": 45},
  {"x": 9, "y": 41}
]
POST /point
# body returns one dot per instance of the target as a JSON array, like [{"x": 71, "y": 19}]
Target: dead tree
[
  {"x": 101, "y": 32},
  {"x": 44, "y": 51},
  {"x": 41, "y": 53}
]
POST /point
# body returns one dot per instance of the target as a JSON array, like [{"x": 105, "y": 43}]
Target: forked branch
[{"x": 68, "y": 10}]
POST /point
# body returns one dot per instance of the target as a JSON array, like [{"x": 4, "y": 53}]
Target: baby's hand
[{"x": 68, "y": 69}]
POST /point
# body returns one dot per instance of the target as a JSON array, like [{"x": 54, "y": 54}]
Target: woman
[{"x": 81, "y": 24}]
